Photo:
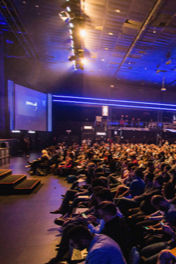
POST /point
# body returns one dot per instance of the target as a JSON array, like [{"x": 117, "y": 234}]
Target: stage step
[
  {"x": 26, "y": 186},
  {"x": 4, "y": 172},
  {"x": 7, "y": 183}
]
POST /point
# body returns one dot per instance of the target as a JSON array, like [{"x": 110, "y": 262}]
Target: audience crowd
[{"x": 121, "y": 204}]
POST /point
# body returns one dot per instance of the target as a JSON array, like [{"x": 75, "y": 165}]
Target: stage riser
[
  {"x": 30, "y": 186},
  {"x": 17, "y": 184},
  {"x": 9, "y": 185},
  {"x": 4, "y": 173}
]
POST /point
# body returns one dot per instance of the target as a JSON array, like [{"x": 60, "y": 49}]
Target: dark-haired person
[
  {"x": 101, "y": 248},
  {"x": 115, "y": 226},
  {"x": 151, "y": 252}
]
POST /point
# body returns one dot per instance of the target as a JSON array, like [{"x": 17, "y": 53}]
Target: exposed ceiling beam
[{"x": 143, "y": 27}]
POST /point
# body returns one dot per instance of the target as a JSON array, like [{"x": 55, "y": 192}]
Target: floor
[{"x": 27, "y": 232}]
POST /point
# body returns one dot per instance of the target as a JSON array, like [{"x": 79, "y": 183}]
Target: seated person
[
  {"x": 115, "y": 226},
  {"x": 40, "y": 166},
  {"x": 101, "y": 248},
  {"x": 168, "y": 228}
]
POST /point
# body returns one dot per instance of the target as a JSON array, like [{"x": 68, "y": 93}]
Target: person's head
[
  {"x": 97, "y": 189},
  {"x": 139, "y": 173},
  {"x": 79, "y": 237},
  {"x": 101, "y": 181},
  {"x": 148, "y": 178},
  {"x": 159, "y": 203},
  {"x": 106, "y": 210},
  {"x": 168, "y": 190},
  {"x": 158, "y": 181},
  {"x": 44, "y": 152},
  {"x": 103, "y": 195}
]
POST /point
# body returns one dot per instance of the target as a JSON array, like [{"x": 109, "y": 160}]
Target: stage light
[
  {"x": 73, "y": 52},
  {"x": 68, "y": 9},
  {"x": 71, "y": 25},
  {"x": 105, "y": 110},
  {"x": 163, "y": 89},
  {"x": 15, "y": 131},
  {"x": 31, "y": 132},
  {"x": 72, "y": 44},
  {"x": 88, "y": 127},
  {"x": 101, "y": 133},
  {"x": 84, "y": 61},
  {"x": 82, "y": 33},
  {"x": 74, "y": 65}
]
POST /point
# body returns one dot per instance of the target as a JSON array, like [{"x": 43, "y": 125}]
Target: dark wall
[
  {"x": 100, "y": 87},
  {"x": 3, "y": 105}
]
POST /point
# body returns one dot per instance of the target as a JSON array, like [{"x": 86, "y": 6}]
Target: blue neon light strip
[
  {"x": 49, "y": 112},
  {"x": 112, "y": 100},
  {"x": 114, "y": 105}
]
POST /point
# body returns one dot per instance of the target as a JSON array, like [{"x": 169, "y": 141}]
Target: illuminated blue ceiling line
[
  {"x": 113, "y": 100},
  {"x": 114, "y": 105}
]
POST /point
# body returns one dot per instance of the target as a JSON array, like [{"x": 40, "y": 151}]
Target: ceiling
[{"x": 131, "y": 40}]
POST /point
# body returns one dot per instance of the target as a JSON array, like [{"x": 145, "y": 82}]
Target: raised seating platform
[{"x": 16, "y": 184}]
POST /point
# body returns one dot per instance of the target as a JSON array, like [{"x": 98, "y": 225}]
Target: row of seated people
[
  {"x": 51, "y": 161},
  {"x": 121, "y": 206}
]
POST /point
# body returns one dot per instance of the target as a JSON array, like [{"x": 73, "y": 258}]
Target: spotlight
[
  {"x": 84, "y": 61},
  {"x": 68, "y": 9},
  {"x": 72, "y": 43},
  {"x": 82, "y": 33},
  {"x": 71, "y": 25},
  {"x": 163, "y": 89}
]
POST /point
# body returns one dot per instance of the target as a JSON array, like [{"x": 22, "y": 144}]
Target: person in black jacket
[{"x": 115, "y": 226}]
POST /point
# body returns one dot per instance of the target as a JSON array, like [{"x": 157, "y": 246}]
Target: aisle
[{"x": 27, "y": 232}]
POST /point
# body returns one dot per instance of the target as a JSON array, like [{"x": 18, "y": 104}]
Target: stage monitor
[{"x": 29, "y": 109}]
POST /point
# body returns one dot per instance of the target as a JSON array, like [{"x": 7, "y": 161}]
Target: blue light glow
[
  {"x": 114, "y": 105},
  {"x": 49, "y": 112},
  {"x": 113, "y": 100}
]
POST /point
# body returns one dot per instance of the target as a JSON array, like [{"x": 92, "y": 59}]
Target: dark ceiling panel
[{"x": 111, "y": 29}]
